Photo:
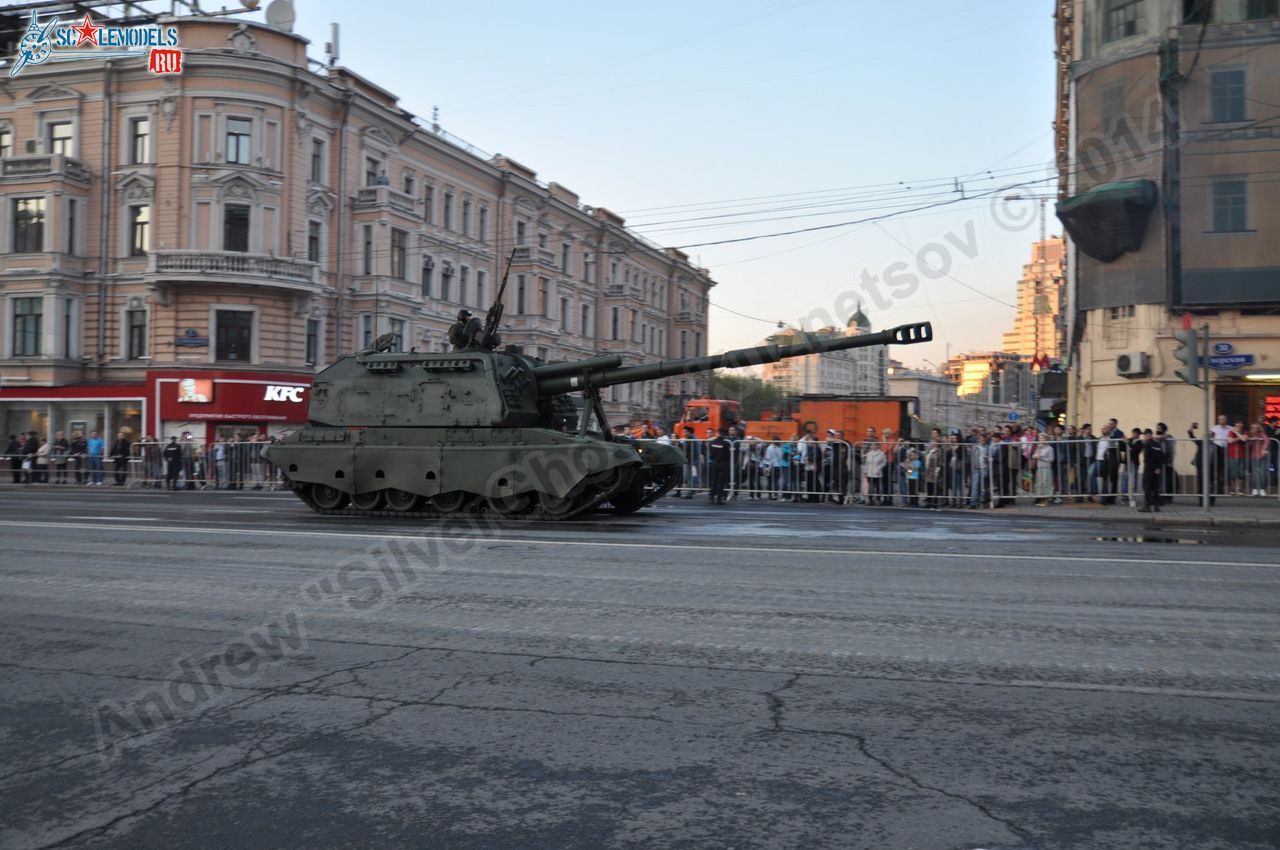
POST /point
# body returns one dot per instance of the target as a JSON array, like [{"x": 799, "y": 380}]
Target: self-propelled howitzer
[{"x": 432, "y": 434}]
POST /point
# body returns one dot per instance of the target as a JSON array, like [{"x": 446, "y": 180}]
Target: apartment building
[{"x": 183, "y": 251}]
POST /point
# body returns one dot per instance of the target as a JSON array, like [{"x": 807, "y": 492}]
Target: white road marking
[
  {"x": 113, "y": 519},
  {"x": 887, "y": 553}
]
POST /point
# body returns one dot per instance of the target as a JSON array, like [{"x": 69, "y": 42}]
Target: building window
[
  {"x": 399, "y": 241},
  {"x": 367, "y": 240},
  {"x": 1229, "y": 206},
  {"x": 482, "y": 232},
  {"x": 447, "y": 217},
  {"x": 466, "y": 218},
  {"x": 317, "y": 161},
  {"x": 464, "y": 274},
  {"x": 613, "y": 323},
  {"x": 428, "y": 269},
  {"x": 140, "y": 231},
  {"x": 1124, "y": 18},
  {"x": 446, "y": 283},
  {"x": 564, "y": 314},
  {"x": 136, "y": 327},
  {"x": 139, "y": 140},
  {"x": 429, "y": 204},
  {"x": 28, "y": 225},
  {"x": 397, "y": 334},
  {"x": 73, "y": 224},
  {"x": 60, "y": 138},
  {"x": 366, "y": 333},
  {"x": 234, "y": 335},
  {"x": 543, "y": 306},
  {"x": 28, "y": 316},
  {"x": 1255, "y": 9},
  {"x": 239, "y": 140},
  {"x": 521, "y": 232},
  {"x": 235, "y": 229},
  {"x": 313, "y": 341},
  {"x": 1227, "y": 95},
  {"x": 480, "y": 287},
  {"x": 635, "y": 328},
  {"x": 313, "y": 241},
  {"x": 68, "y": 327},
  {"x": 588, "y": 265},
  {"x": 1112, "y": 107},
  {"x": 697, "y": 343},
  {"x": 6, "y": 143},
  {"x": 564, "y": 258},
  {"x": 372, "y": 171},
  {"x": 519, "y": 295},
  {"x": 410, "y": 185}
]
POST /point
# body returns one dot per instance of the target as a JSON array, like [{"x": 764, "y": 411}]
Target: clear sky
[{"x": 753, "y": 117}]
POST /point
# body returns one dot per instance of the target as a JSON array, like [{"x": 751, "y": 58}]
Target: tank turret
[{"x": 431, "y": 434}]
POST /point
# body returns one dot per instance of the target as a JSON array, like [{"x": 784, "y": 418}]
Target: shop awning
[{"x": 1110, "y": 220}]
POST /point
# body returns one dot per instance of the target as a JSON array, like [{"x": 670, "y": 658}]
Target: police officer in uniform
[{"x": 719, "y": 462}]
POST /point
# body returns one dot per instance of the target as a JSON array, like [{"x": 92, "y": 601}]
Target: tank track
[
  {"x": 588, "y": 501},
  {"x": 653, "y": 491}
]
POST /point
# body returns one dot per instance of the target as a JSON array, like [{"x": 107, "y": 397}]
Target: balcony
[
  {"x": 18, "y": 169},
  {"x": 384, "y": 197},
  {"x": 624, "y": 290},
  {"x": 530, "y": 255},
  {"x": 233, "y": 267},
  {"x": 688, "y": 317},
  {"x": 532, "y": 324}
]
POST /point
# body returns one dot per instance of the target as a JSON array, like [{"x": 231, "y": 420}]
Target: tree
[{"x": 753, "y": 394}]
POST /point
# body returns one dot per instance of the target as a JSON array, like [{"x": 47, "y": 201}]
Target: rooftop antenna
[{"x": 331, "y": 46}]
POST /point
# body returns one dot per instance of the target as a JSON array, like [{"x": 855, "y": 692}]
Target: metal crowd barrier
[
  {"x": 993, "y": 475},
  {"x": 236, "y": 465}
]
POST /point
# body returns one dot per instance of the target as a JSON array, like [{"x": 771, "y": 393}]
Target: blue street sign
[
  {"x": 1013, "y": 417},
  {"x": 1223, "y": 348},
  {"x": 1233, "y": 361}
]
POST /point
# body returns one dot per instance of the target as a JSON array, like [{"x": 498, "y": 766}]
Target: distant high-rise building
[
  {"x": 1037, "y": 328},
  {"x": 856, "y": 371}
]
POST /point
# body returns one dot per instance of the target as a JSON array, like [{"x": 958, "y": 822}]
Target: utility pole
[{"x": 1207, "y": 459}]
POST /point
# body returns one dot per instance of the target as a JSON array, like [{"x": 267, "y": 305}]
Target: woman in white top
[
  {"x": 873, "y": 464},
  {"x": 1043, "y": 457}
]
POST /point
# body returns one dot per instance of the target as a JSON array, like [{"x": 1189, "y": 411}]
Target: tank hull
[{"x": 527, "y": 472}]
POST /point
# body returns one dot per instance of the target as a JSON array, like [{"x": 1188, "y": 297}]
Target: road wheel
[
  {"x": 402, "y": 501},
  {"x": 451, "y": 502},
  {"x": 328, "y": 498},
  {"x": 367, "y": 501}
]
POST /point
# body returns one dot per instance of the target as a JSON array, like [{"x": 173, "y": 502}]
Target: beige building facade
[
  {"x": 248, "y": 220},
  {"x": 1170, "y": 147},
  {"x": 854, "y": 371}
]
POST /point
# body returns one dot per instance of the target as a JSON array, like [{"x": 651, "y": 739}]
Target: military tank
[{"x": 482, "y": 428}]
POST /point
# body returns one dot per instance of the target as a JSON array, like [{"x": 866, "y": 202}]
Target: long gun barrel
[{"x": 590, "y": 374}]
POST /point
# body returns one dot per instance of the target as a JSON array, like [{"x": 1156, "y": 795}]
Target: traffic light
[{"x": 1188, "y": 352}]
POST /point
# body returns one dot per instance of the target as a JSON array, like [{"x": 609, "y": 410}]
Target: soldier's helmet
[{"x": 463, "y": 315}]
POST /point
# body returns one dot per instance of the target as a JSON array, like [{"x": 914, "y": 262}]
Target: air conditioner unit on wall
[{"x": 1133, "y": 364}]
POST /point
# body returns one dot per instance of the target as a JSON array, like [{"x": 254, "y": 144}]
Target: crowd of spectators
[
  {"x": 182, "y": 463},
  {"x": 995, "y": 467}
]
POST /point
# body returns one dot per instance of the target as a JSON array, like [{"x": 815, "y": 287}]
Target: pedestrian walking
[{"x": 1152, "y": 453}]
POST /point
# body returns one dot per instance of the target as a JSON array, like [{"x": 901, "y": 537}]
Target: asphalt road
[{"x": 229, "y": 670}]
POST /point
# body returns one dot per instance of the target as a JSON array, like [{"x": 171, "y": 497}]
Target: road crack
[{"x": 861, "y": 742}]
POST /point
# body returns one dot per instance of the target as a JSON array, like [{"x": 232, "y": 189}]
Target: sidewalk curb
[{"x": 1205, "y": 520}]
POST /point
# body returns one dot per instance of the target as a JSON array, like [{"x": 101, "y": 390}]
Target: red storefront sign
[{"x": 217, "y": 396}]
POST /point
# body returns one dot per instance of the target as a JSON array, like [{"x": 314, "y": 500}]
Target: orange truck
[{"x": 816, "y": 413}]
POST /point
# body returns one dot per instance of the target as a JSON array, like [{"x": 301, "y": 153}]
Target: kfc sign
[{"x": 275, "y": 393}]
